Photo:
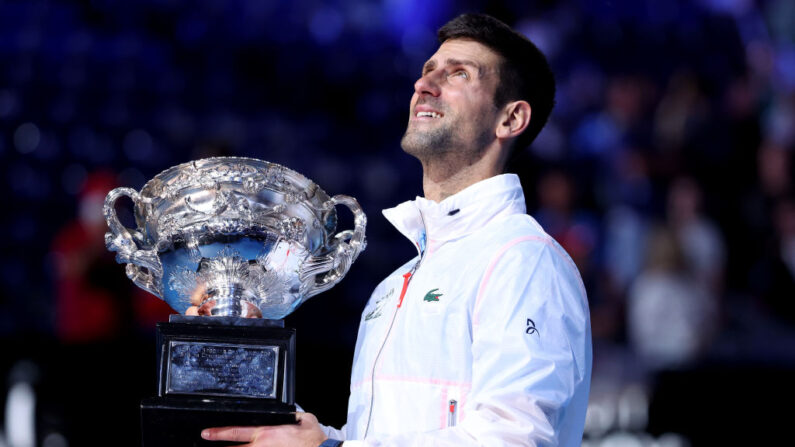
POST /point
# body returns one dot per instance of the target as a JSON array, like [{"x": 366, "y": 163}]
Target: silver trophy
[
  {"x": 258, "y": 237},
  {"x": 247, "y": 242}
]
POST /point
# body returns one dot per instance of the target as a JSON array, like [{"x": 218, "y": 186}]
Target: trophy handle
[
  {"x": 349, "y": 244},
  {"x": 143, "y": 266}
]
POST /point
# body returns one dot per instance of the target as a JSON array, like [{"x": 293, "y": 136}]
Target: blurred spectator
[
  {"x": 773, "y": 181},
  {"x": 671, "y": 316},
  {"x": 94, "y": 300},
  {"x": 773, "y": 276},
  {"x": 573, "y": 228},
  {"x": 628, "y": 101},
  {"x": 681, "y": 111},
  {"x": 700, "y": 240},
  {"x": 775, "y": 174},
  {"x": 86, "y": 309},
  {"x": 627, "y": 190}
]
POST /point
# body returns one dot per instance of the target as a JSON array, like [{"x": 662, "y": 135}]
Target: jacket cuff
[{"x": 331, "y": 443}]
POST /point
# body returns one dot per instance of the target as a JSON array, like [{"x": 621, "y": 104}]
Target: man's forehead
[{"x": 465, "y": 50}]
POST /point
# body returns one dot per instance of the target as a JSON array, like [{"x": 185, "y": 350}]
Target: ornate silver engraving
[{"x": 275, "y": 225}]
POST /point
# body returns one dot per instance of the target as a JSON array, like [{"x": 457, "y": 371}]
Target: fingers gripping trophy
[{"x": 246, "y": 242}]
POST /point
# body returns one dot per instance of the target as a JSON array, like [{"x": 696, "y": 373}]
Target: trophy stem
[{"x": 229, "y": 300}]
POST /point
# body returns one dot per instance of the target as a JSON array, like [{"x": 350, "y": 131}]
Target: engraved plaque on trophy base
[{"x": 218, "y": 372}]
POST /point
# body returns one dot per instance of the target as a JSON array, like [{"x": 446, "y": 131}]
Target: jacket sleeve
[
  {"x": 333, "y": 433},
  {"x": 531, "y": 354}
]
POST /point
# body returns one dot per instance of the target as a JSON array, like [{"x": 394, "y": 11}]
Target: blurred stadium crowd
[{"x": 665, "y": 171}]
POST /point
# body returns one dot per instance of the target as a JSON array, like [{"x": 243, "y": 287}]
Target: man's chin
[
  {"x": 424, "y": 138},
  {"x": 414, "y": 144}
]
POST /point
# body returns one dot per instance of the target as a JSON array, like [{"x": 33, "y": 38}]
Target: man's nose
[{"x": 428, "y": 84}]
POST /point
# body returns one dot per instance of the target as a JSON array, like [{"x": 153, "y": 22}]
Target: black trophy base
[
  {"x": 178, "y": 421},
  {"x": 219, "y": 372}
]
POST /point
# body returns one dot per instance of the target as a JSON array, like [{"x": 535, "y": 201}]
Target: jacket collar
[{"x": 427, "y": 223}]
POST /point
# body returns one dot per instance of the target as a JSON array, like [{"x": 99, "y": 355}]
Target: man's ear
[{"x": 514, "y": 119}]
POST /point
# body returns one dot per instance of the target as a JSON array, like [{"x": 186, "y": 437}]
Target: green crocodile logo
[{"x": 432, "y": 295}]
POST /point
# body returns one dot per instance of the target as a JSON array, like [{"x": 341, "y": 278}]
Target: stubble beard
[
  {"x": 444, "y": 144},
  {"x": 428, "y": 144}
]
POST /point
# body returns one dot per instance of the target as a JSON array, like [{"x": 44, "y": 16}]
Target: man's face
[{"x": 452, "y": 109}]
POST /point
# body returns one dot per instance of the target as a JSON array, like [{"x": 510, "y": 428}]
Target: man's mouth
[{"x": 428, "y": 114}]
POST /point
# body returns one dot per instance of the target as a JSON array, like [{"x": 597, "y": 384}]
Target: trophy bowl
[
  {"x": 239, "y": 236},
  {"x": 246, "y": 242}
]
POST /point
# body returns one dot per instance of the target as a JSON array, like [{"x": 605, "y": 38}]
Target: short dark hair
[{"x": 524, "y": 72}]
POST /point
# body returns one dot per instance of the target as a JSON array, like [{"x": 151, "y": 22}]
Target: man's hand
[
  {"x": 196, "y": 298},
  {"x": 306, "y": 433}
]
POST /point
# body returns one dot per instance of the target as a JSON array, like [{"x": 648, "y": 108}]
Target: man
[{"x": 484, "y": 337}]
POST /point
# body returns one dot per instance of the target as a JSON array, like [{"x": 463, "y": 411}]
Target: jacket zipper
[
  {"x": 452, "y": 413},
  {"x": 406, "y": 280}
]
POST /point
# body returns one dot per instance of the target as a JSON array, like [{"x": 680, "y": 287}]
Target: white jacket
[{"x": 492, "y": 314}]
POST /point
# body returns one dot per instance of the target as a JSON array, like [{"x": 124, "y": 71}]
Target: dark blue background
[{"x": 131, "y": 88}]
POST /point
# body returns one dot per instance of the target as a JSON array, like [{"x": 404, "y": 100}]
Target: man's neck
[{"x": 441, "y": 180}]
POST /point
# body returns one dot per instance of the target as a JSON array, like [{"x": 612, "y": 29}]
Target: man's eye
[{"x": 459, "y": 74}]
